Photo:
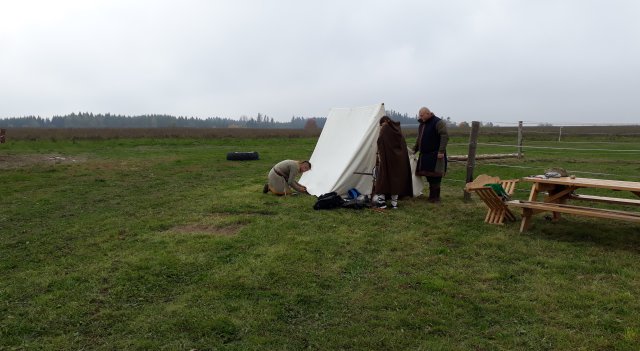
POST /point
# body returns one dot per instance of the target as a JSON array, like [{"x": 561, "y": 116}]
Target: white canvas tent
[{"x": 347, "y": 145}]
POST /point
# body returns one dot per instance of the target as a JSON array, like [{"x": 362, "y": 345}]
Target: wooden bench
[
  {"x": 498, "y": 211},
  {"x": 529, "y": 208},
  {"x": 609, "y": 200}
]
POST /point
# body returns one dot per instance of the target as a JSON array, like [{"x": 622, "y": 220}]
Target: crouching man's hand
[{"x": 300, "y": 188}]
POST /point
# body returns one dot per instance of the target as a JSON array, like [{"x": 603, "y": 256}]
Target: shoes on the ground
[
  {"x": 381, "y": 204},
  {"x": 265, "y": 189},
  {"x": 394, "y": 206}
]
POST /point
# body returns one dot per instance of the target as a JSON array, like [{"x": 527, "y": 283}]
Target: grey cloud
[{"x": 547, "y": 61}]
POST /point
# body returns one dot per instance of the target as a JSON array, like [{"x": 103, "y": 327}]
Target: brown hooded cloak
[{"x": 394, "y": 170}]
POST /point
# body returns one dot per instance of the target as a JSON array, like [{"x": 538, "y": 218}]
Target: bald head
[{"x": 424, "y": 114}]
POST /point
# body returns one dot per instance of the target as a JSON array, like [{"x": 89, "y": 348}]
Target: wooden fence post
[
  {"x": 519, "y": 139},
  {"x": 560, "y": 134},
  {"x": 471, "y": 157}
]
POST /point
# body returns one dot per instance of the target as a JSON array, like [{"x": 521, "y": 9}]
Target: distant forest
[{"x": 90, "y": 120}]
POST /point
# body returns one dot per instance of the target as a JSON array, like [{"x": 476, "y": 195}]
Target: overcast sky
[{"x": 558, "y": 61}]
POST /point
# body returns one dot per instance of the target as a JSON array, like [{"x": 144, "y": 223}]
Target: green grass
[{"x": 163, "y": 244}]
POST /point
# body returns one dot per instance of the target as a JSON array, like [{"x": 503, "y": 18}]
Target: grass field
[{"x": 162, "y": 244}]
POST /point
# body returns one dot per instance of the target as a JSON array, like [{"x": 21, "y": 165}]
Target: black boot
[
  {"x": 265, "y": 189},
  {"x": 431, "y": 193},
  {"x": 436, "y": 198},
  {"x": 434, "y": 194}
]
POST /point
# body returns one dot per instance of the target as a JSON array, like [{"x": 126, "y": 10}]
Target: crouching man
[{"x": 282, "y": 177}]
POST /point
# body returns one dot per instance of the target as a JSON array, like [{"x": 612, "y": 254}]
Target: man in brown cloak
[{"x": 394, "y": 170}]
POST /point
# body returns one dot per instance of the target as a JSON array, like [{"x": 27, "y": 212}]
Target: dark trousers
[
  {"x": 434, "y": 189},
  {"x": 434, "y": 181}
]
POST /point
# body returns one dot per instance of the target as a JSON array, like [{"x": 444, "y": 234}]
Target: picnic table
[{"x": 560, "y": 190}]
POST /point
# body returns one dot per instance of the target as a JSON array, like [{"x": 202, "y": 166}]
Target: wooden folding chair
[
  {"x": 498, "y": 210},
  {"x": 509, "y": 185}
]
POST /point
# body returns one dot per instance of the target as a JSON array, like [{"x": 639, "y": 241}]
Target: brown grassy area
[
  {"x": 20, "y": 161},
  {"x": 128, "y": 133},
  {"x": 531, "y": 133}
]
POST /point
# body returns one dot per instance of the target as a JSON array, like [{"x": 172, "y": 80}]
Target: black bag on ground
[
  {"x": 243, "y": 156},
  {"x": 328, "y": 201},
  {"x": 355, "y": 204}
]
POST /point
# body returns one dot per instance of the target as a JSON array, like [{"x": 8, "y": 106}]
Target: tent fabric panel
[{"x": 346, "y": 145}]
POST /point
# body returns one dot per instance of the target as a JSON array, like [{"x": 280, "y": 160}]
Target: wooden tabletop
[{"x": 588, "y": 183}]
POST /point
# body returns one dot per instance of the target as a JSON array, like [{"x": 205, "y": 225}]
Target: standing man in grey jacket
[{"x": 432, "y": 144}]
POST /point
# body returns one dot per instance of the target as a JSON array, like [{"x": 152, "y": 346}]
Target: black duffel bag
[
  {"x": 242, "y": 156},
  {"x": 328, "y": 201}
]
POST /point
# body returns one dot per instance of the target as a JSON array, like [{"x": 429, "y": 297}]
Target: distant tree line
[
  {"x": 90, "y": 120},
  {"x": 260, "y": 121}
]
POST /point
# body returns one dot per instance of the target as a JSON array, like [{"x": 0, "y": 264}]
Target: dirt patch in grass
[
  {"x": 227, "y": 230},
  {"x": 21, "y": 161}
]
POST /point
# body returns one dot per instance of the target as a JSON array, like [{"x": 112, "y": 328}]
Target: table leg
[
  {"x": 556, "y": 195},
  {"x": 559, "y": 195},
  {"x": 526, "y": 219},
  {"x": 556, "y": 216},
  {"x": 533, "y": 195}
]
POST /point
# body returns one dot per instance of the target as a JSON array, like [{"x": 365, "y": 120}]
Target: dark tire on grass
[{"x": 242, "y": 156}]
